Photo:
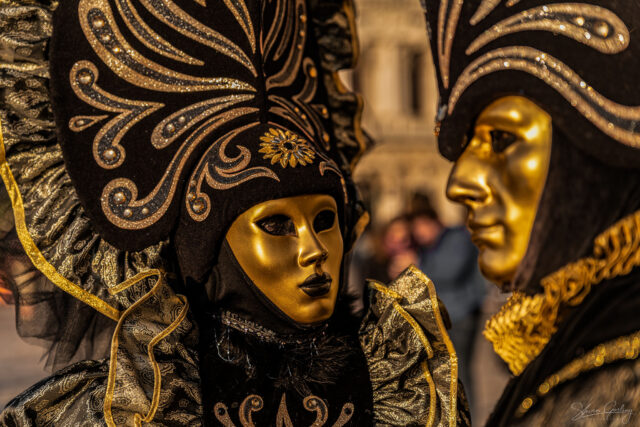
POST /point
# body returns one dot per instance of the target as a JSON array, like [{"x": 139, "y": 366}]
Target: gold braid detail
[
  {"x": 525, "y": 324},
  {"x": 626, "y": 347}
]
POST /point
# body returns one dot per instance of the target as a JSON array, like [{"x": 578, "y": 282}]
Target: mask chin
[{"x": 230, "y": 289}]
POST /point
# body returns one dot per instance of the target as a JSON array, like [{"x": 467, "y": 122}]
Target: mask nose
[
  {"x": 468, "y": 182},
  {"x": 312, "y": 251}
]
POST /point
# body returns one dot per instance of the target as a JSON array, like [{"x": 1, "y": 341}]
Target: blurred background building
[{"x": 396, "y": 77}]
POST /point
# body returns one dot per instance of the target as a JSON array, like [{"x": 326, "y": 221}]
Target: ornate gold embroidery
[
  {"x": 627, "y": 347},
  {"x": 293, "y": 41},
  {"x": 484, "y": 9},
  {"x": 80, "y": 123},
  {"x": 172, "y": 127},
  {"x": 591, "y": 25},
  {"x": 107, "y": 151},
  {"x": 150, "y": 38},
  {"x": 221, "y": 173},
  {"x": 525, "y": 324},
  {"x": 286, "y": 147},
  {"x": 255, "y": 403},
  {"x": 620, "y": 122},
  {"x": 167, "y": 12},
  {"x": 448, "y": 16},
  {"x": 240, "y": 12},
  {"x": 100, "y": 29},
  {"x": 120, "y": 201}
]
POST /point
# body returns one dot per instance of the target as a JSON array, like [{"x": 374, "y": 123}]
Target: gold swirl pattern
[
  {"x": 524, "y": 325},
  {"x": 120, "y": 197},
  {"x": 268, "y": 43},
  {"x": 221, "y": 172},
  {"x": 448, "y": 16},
  {"x": 172, "y": 127},
  {"x": 254, "y": 403},
  {"x": 594, "y": 26},
  {"x": 167, "y": 12},
  {"x": 150, "y": 38},
  {"x": 100, "y": 29},
  {"x": 240, "y": 12},
  {"x": 620, "y": 122},
  {"x": 107, "y": 151},
  {"x": 293, "y": 41}
]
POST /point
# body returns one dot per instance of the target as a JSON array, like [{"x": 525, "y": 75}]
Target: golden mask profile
[
  {"x": 292, "y": 250},
  {"x": 499, "y": 178}
]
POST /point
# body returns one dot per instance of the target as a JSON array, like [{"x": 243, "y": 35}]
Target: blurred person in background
[
  {"x": 381, "y": 255},
  {"x": 449, "y": 258}
]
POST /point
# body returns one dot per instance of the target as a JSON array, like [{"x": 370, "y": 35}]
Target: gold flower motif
[{"x": 286, "y": 147}]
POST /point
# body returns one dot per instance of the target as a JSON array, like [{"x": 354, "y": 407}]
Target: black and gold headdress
[
  {"x": 170, "y": 106},
  {"x": 577, "y": 60}
]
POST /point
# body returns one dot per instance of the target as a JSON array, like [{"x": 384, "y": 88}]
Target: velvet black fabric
[{"x": 612, "y": 75}]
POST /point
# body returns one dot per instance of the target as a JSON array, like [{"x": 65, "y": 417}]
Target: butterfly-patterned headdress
[
  {"x": 190, "y": 111},
  {"x": 577, "y": 60}
]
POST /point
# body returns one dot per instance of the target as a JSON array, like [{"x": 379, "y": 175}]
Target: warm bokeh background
[{"x": 396, "y": 77}]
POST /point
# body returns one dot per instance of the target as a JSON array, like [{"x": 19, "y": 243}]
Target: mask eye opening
[
  {"x": 501, "y": 140},
  {"x": 324, "y": 221},
  {"x": 277, "y": 225}
]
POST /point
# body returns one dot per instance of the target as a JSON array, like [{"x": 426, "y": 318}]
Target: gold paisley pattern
[
  {"x": 107, "y": 151},
  {"x": 524, "y": 326}
]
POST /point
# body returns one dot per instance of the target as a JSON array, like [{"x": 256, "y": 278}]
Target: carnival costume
[
  {"x": 571, "y": 331},
  {"x": 135, "y": 133}
]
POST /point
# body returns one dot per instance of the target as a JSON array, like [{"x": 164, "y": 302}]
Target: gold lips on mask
[
  {"x": 292, "y": 250},
  {"x": 499, "y": 178}
]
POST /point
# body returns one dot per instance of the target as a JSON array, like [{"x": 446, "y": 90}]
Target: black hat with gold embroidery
[
  {"x": 577, "y": 60},
  {"x": 174, "y": 117}
]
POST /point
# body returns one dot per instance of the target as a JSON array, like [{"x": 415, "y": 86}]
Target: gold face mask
[
  {"x": 499, "y": 178},
  {"x": 292, "y": 250}
]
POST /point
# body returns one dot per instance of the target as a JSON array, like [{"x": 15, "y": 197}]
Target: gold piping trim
[
  {"x": 157, "y": 383},
  {"x": 32, "y": 251},
  {"x": 447, "y": 342},
  {"x": 416, "y": 327},
  {"x": 626, "y": 347},
  {"x": 425, "y": 342},
  {"x": 432, "y": 394}
]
